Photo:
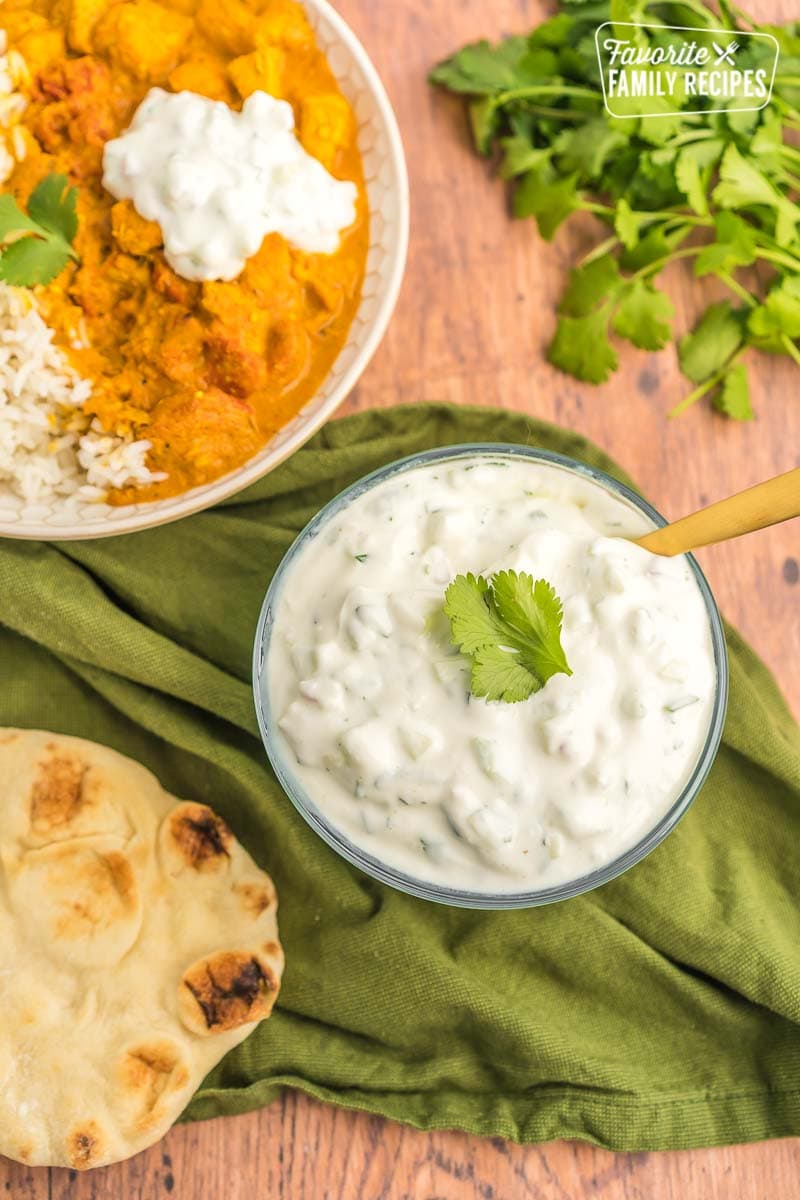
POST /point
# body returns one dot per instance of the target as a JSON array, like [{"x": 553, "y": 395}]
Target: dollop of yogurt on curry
[
  {"x": 217, "y": 181},
  {"x": 373, "y": 701}
]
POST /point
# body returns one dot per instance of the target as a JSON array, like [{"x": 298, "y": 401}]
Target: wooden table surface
[{"x": 474, "y": 317}]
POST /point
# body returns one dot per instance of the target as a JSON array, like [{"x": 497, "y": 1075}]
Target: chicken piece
[
  {"x": 288, "y": 353},
  {"x": 283, "y": 23},
  {"x": 143, "y": 38},
  {"x": 132, "y": 232},
  {"x": 228, "y": 26},
  {"x": 181, "y": 354},
  {"x": 83, "y": 16},
  {"x": 78, "y": 109},
  {"x": 51, "y": 127},
  {"x": 326, "y": 126},
  {"x": 203, "y": 75},
  {"x": 129, "y": 274},
  {"x": 260, "y": 71},
  {"x": 179, "y": 290},
  {"x": 324, "y": 286},
  {"x": 226, "y": 301},
  {"x": 269, "y": 274},
  {"x": 17, "y": 24},
  {"x": 93, "y": 291},
  {"x": 206, "y": 430},
  {"x": 74, "y": 78},
  {"x": 40, "y": 47},
  {"x": 236, "y": 362}
]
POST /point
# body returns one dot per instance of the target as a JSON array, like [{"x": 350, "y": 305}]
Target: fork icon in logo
[{"x": 725, "y": 54}]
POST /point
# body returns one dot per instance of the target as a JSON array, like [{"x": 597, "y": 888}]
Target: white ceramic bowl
[{"x": 387, "y": 191}]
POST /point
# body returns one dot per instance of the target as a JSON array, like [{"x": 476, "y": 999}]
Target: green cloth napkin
[{"x": 662, "y": 1010}]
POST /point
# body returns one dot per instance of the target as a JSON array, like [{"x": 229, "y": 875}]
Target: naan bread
[{"x": 138, "y": 944}]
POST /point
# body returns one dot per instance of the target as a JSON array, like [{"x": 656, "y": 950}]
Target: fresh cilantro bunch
[
  {"x": 717, "y": 189},
  {"x": 510, "y": 629},
  {"x": 42, "y": 238}
]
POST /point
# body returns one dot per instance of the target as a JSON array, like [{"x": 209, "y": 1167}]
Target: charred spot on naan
[
  {"x": 80, "y": 899},
  {"x": 195, "y": 837},
  {"x": 71, "y": 797},
  {"x": 226, "y": 990},
  {"x": 85, "y": 1146},
  {"x": 57, "y": 793},
  {"x": 103, "y": 892},
  {"x": 150, "y": 1073},
  {"x": 256, "y": 898}
]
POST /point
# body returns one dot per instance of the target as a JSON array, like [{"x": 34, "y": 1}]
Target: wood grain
[{"x": 474, "y": 317}]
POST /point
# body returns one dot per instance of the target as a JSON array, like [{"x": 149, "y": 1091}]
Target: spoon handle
[{"x": 767, "y": 503}]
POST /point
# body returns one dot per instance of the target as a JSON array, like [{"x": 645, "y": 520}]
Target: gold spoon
[{"x": 766, "y": 504}]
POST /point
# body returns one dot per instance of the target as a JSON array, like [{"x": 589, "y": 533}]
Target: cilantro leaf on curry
[
  {"x": 37, "y": 245},
  {"x": 510, "y": 629}
]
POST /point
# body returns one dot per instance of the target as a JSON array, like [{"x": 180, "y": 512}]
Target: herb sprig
[
  {"x": 716, "y": 189},
  {"x": 510, "y": 629},
  {"x": 42, "y": 237}
]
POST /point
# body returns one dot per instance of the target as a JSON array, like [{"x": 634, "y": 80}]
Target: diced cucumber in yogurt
[{"x": 374, "y": 699}]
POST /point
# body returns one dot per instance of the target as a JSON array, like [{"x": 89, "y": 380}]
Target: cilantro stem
[
  {"x": 599, "y": 250},
  {"x": 738, "y": 290},
  {"x": 543, "y": 89},
  {"x": 658, "y": 264},
  {"x": 790, "y": 180},
  {"x": 693, "y": 135},
  {"x": 790, "y": 347},
  {"x": 789, "y": 151},
  {"x": 600, "y": 210},
  {"x": 563, "y": 114},
  {"x": 787, "y": 108},
  {"x": 707, "y": 386},
  {"x": 779, "y": 258},
  {"x": 688, "y": 218}
]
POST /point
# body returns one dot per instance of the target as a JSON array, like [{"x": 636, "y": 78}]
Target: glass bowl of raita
[{"x": 477, "y": 689}]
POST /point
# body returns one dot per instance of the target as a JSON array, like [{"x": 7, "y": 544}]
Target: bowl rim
[
  {"x": 393, "y": 876},
  {"x": 187, "y": 503}
]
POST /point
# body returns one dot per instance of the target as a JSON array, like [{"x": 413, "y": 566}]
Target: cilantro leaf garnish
[
  {"x": 54, "y": 205},
  {"x": 733, "y": 398},
  {"x": 779, "y": 314},
  {"x": 589, "y": 285},
  {"x": 720, "y": 190},
  {"x": 582, "y": 347},
  {"x": 714, "y": 339},
  {"x": 547, "y": 197},
  {"x": 510, "y": 628},
  {"x": 735, "y": 246},
  {"x": 42, "y": 238},
  {"x": 643, "y": 316}
]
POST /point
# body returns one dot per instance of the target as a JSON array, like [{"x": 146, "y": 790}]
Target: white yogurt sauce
[
  {"x": 374, "y": 705},
  {"x": 218, "y": 181}
]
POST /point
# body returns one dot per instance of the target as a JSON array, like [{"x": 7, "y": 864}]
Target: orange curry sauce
[{"x": 207, "y": 371}]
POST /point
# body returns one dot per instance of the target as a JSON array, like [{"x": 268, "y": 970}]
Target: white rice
[
  {"x": 48, "y": 447},
  {"x": 14, "y": 74}
]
